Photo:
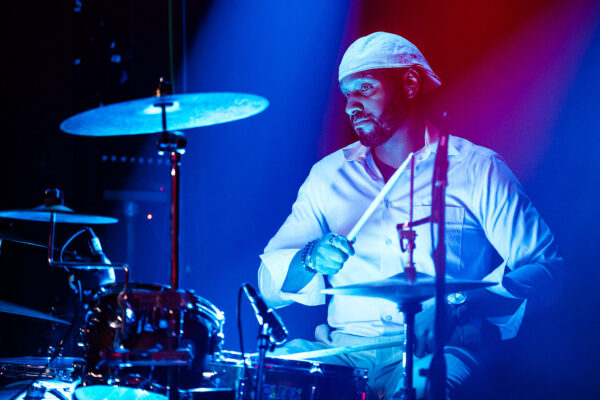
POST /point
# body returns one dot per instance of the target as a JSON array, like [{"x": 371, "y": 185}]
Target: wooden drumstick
[
  {"x": 334, "y": 351},
  {"x": 386, "y": 188}
]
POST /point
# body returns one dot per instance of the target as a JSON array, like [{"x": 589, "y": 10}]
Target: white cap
[{"x": 386, "y": 50}]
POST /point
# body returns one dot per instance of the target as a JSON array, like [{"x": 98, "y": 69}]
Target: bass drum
[{"x": 131, "y": 339}]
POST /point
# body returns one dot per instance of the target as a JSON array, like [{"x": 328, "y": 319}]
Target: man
[{"x": 383, "y": 77}]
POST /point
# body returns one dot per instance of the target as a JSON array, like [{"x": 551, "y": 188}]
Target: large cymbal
[
  {"x": 142, "y": 116},
  {"x": 10, "y": 308},
  {"x": 400, "y": 290},
  {"x": 62, "y": 214}
]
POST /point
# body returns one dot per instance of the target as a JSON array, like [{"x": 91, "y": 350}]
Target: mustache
[{"x": 360, "y": 116}]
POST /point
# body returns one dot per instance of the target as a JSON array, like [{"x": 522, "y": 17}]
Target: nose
[{"x": 353, "y": 106}]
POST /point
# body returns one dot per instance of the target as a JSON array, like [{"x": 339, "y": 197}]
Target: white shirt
[{"x": 486, "y": 212}]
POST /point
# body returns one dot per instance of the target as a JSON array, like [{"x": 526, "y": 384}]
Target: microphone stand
[
  {"x": 437, "y": 369},
  {"x": 264, "y": 344}
]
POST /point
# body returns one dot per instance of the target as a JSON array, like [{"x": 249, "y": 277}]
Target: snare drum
[
  {"x": 36, "y": 378},
  {"x": 38, "y": 390},
  {"x": 66, "y": 369},
  {"x": 288, "y": 379},
  {"x": 129, "y": 339}
]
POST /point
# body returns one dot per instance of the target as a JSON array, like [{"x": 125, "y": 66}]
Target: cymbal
[
  {"x": 10, "y": 308},
  {"x": 143, "y": 116},
  {"x": 62, "y": 214},
  {"x": 400, "y": 290},
  {"x": 35, "y": 361},
  {"x": 334, "y": 351}
]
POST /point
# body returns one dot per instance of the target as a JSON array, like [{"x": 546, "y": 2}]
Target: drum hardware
[
  {"x": 142, "y": 344},
  {"x": 149, "y": 115},
  {"x": 39, "y": 390},
  {"x": 287, "y": 379},
  {"x": 334, "y": 351},
  {"x": 38, "y": 368},
  {"x": 15, "y": 309},
  {"x": 399, "y": 289},
  {"x": 272, "y": 333},
  {"x": 123, "y": 346},
  {"x": 40, "y": 377},
  {"x": 55, "y": 209}
]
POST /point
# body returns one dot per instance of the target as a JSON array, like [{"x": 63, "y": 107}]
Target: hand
[
  {"x": 424, "y": 328},
  {"x": 330, "y": 253}
]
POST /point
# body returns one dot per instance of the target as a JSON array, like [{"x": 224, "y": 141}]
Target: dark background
[{"x": 519, "y": 77}]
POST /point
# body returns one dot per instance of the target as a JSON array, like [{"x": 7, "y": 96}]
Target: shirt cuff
[
  {"x": 508, "y": 325},
  {"x": 272, "y": 273}
]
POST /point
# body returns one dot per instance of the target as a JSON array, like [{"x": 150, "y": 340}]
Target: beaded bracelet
[{"x": 306, "y": 257}]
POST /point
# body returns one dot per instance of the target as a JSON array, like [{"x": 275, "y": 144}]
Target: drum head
[{"x": 97, "y": 392}]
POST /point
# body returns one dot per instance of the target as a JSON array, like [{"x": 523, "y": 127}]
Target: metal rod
[
  {"x": 411, "y": 272},
  {"x": 51, "y": 238},
  {"x": 175, "y": 183},
  {"x": 263, "y": 346}
]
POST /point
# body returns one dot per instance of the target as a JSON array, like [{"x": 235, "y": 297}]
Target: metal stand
[
  {"x": 436, "y": 374},
  {"x": 412, "y": 308},
  {"x": 264, "y": 343},
  {"x": 409, "y": 310},
  {"x": 173, "y": 143},
  {"x": 437, "y": 369}
]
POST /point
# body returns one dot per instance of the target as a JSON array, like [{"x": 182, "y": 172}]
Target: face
[{"x": 375, "y": 104}]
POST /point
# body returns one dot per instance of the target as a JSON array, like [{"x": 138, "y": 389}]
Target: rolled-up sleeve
[
  {"x": 305, "y": 223},
  {"x": 532, "y": 268}
]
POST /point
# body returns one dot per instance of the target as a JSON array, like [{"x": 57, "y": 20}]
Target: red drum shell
[{"x": 143, "y": 326}]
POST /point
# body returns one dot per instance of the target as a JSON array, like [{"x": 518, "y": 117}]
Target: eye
[{"x": 365, "y": 87}]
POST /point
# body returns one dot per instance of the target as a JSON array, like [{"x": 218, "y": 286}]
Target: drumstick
[
  {"x": 386, "y": 188},
  {"x": 334, "y": 351}
]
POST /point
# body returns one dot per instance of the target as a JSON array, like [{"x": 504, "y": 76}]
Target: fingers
[
  {"x": 341, "y": 243},
  {"x": 330, "y": 253}
]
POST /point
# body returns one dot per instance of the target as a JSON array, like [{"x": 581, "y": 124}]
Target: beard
[{"x": 383, "y": 127}]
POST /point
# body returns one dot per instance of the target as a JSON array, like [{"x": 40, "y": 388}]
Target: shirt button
[
  {"x": 388, "y": 318},
  {"x": 388, "y": 241}
]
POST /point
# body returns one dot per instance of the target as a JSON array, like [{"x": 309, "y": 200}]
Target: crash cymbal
[
  {"x": 400, "y": 290},
  {"x": 62, "y": 214},
  {"x": 143, "y": 116},
  {"x": 10, "y": 308}
]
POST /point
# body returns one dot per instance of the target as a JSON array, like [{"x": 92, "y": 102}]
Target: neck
[{"x": 408, "y": 137}]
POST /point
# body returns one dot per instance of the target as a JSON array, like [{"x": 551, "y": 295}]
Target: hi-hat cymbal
[
  {"x": 143, "y": 116},
  {"x": 36, "y": 361},
  {"x": 62, "y": 214},
  {"x": 11, "y": 308},
  {"x": 400, "y": 290}
]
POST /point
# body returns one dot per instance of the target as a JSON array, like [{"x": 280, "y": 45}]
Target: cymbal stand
[
  {"x": 173, "y": 143},
  {"x": 411, "y": 308},
  {"x": 437, "y": 370}
]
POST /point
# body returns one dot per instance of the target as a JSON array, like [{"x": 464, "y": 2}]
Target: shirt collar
[{"x": 356, "y": 150}]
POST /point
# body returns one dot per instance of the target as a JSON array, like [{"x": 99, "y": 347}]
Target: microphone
[
  {"x": 266, "y": 315},
  {"x": 96, "y": 247}
]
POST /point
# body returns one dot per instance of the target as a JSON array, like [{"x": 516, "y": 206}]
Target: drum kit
[{"x": 148, "y": 341}]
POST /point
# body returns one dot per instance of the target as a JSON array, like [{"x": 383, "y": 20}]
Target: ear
[{"x": 412, "y": 83}]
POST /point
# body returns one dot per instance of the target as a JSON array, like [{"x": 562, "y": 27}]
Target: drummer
[{"x": 493, "y": 231}]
